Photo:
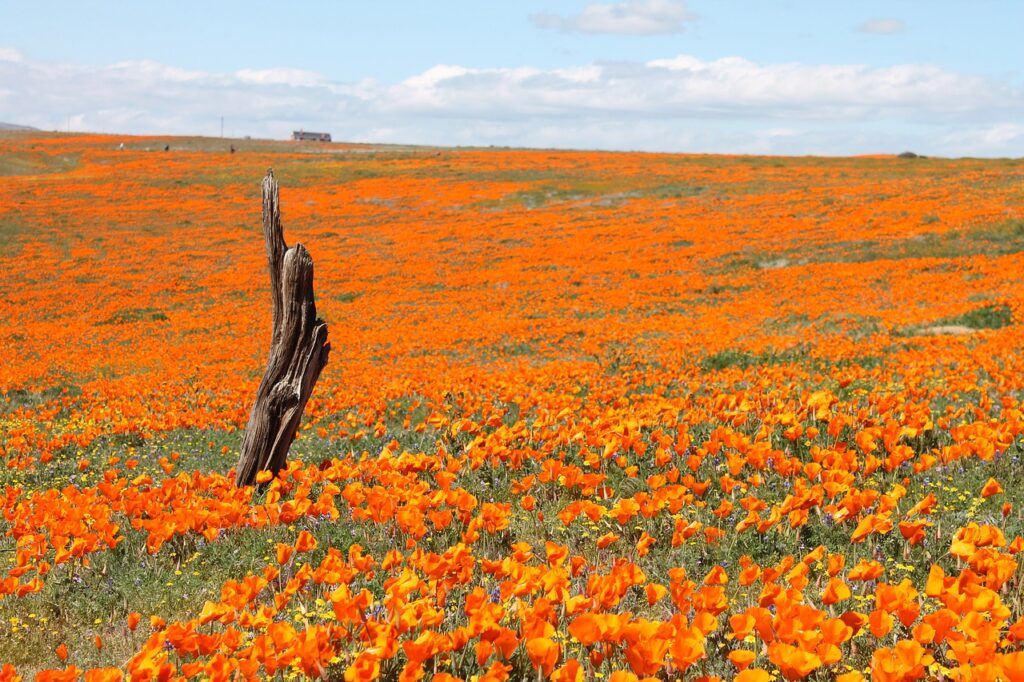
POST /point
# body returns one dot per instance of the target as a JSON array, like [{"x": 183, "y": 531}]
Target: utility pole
[{"x": 222, "y": 126}]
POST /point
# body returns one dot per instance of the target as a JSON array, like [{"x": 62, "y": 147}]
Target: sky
[{"x": 795, "y": 77}]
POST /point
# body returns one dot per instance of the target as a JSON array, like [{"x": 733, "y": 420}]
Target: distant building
[{"x": 305, "y": 136}]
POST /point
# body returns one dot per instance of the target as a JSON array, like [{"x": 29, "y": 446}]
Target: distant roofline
[{"x": 310, "y": 135}]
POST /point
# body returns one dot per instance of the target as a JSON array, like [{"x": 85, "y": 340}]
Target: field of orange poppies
[{"x": 587, "y": 416}]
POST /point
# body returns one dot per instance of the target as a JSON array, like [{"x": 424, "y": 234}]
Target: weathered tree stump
[{"x": 298, "y": 350}]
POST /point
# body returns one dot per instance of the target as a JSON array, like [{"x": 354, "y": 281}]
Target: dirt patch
[{"x": 951, "y": 329}]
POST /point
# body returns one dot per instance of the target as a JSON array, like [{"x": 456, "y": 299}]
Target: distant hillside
[{"x": 12, "y": 126}]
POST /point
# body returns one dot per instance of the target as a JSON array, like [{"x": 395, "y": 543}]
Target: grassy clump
[
  {"x": 130, "y": 315},
  {"x": 994, "y": 316},
  {"x": 741, "y": 359}
]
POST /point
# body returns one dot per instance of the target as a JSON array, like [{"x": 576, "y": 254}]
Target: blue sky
[{"x": 754, "y": 76}]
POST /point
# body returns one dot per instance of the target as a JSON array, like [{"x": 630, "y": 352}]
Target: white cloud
[
  {"x": 882, "y": 26},
  {"x": 681, "y": 103},
  {"x": 8, "y": 54},
  {"x": 631, "y": 17},
  {"x": 147, "y": 71},
  {"x": 281, "y": 76},
  {"x": 999, "y": 139},
  {"x": 689, "y": 87},
  {"x": 845, "y": 91}
]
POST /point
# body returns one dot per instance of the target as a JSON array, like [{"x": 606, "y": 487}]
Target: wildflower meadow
[{"x": 587, "y": 416}]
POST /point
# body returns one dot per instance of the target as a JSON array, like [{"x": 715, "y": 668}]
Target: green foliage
[
  {"x": 36, "y": 163},
  {"x": 994, "y": 316},
  {"x": 742, "y": 359},
  {"x": 130, "y": 315}
]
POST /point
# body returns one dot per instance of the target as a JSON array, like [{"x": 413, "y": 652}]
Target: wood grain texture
[{"x": 298, "y": 349}]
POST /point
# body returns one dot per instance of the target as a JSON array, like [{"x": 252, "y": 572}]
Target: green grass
[
  {"x": 28, "y": 399},
  {"x": 32, "y": 162},
  {"x": 992, "y": 316},
  {"x": 11, "y": 229},
  {"x": 80, "y": 603},
  {"x": 986, "y": 317},
  {"x": 742, "y": 359},
  {"x": 130, "y": 315},
  {"x": 994, "y": 240}
]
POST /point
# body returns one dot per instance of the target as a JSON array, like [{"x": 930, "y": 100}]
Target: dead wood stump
[{"x": 298, "y": 350}]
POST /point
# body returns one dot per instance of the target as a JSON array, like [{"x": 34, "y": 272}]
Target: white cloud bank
[
  {"x": 632, "y": 17},
  {"x": 675, "y": 104}
]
